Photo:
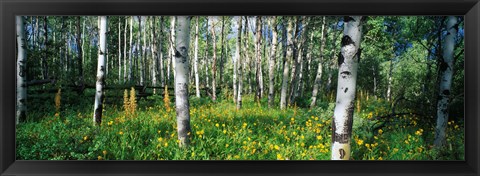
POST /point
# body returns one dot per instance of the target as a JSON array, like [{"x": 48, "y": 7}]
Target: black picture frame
[{"x": 9, "y": 8}]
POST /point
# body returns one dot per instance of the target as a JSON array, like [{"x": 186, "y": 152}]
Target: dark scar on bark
[
  {"x": 446, "y": 92},
  {"x": 346, "y": 89},
  {"x": 443, "y": 65},
  {"x": 345, "y": 74},
  {"x": 346, "y": 40},
  {"x": 342, "y": 153},
  {"x": 359, "y": 54},
  {"x": 340, "y": 59},
  {"x": 346, "y": 19}
]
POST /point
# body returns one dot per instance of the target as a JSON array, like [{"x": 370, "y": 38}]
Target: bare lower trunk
[
  {"x": 160, "y": 51},
  {"x": 172, "y": 47},
  {"x": 181, "y": 80},
  {"x": 289, "y": 48},
  {"x": 446, "y": 71},
  {"x": 195, "y": 65},
  {"x": 258, "y": 51},
  {"x": 21, "y": 74},
  {"x": 389, "y": 85},
  {"x": 214, "y": 63},
  {"x": 316, "y": 83},
  {"x": 124, "y": 51},
  {"x": 240, "y": 65},
  {"x": 100, "y": 84},
  {"x": 271, "y": 73},
  {"x": 346, "y": 87},
  {"x": 130, "y": 63},
  {"x": 236, "y": 62}
]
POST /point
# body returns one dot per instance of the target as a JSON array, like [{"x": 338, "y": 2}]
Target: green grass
[{"x": 220, "y": 132}]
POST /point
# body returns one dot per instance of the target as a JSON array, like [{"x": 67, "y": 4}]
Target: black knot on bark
[
  {"x": 346, "y": 19},
  {"x": 346, "y": 40},
  {"x": 446, "y": 92},
  {"x": 340, "y": 59}
]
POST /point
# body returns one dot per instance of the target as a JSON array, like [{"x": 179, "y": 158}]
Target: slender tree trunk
[
  {"x": 289, "y": 48},
  {"x": 80, "y": 55},
  {"x": 125, "y": 51},
  {"x": 171, "y": 55},
  {"x": 100, "y": 84},
  {"x": 181, "y": 80},
  {"x": 160, "y": 51},
  {"x": 21, "y": 68},
  {"x": 446, "y": 72},
  {"x": 389, "y": 85},
  {"x": 44, "y": 59},
  {"x": 130, "y": 63},
  {"x": 346, "y": 87},
  {"x": 144, "y": 55},
  {"x": 239, "y": 64},
  {"x": 318, "y": 77},
  {"x": 273, "y": 51},
  {"x": 154, "y": 51},
  {"x": 119, "y": 50},
  {"x": 140, "y": 51},
  {"x": 205, "y": 60},
  {"x": 214, "y": 63},
  {"x": 258, "y": 51},
  {"x": 195, "y": 66},
  {"x": 222, "y": 52},
  {"x": 295, "y": 61}
]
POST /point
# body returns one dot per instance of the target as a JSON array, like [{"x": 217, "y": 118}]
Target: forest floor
[{"x": 220, "y": 132}]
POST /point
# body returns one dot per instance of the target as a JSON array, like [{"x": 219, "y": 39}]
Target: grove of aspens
[{"x": 240, "y": 88}]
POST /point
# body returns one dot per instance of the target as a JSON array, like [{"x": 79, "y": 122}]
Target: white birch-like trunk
[
  {"x": 271, "y": 66},
  {"x": 318, "y": 77},
  {"x": 160, "y": 51},
  {"x": 258, "y": 52},
  {"x": 446, "y": 72},
  {"x": 346, "y": 87},
  {"x": 181, "y": 80},
  {"x": 172, "y": 46},
  {"x": 153, "y": 49},
  {"x": 125, "y": 51},
  {"x": 195, "y": 64},
  {"x": 130, "y": 63},
  {"x": 21, "y": 74},
  {"x": 119, "y": 50},
  {"x": 214, "y": 68},
  {"x": 100, "y": 84},
  {"x": 289, "y": 47},
  {"x": 389, "y": 85},
  {"x": 238, "y": 66}
]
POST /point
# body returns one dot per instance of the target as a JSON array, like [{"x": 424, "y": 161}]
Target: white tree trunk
[
  {"x": 21, "y": 74},
  {"x": 214, "y": 68},
  {"x": 124, "y": 51},
  {"x": 346, "y": 87},
  {"x": 181, "y": 80},
  {"x": 130, "y": 63},
  {"x": 160, "y": 51},
  {"x": 172, "y": 45},
  {"x": 389, "y": 85},
  {"x": 154, "y": 52},
  {"x": 271, "y": 71},
  {"x": 100, "y": 84},
  {"x": 258, "y": 53},
  {"x": 238, "y": 91},
  {"x": 289, "y": 47},
  {"x": 446, "y": 71},
  {"x": 195, "y": 65},
  {"x": 318, "y": 77}
]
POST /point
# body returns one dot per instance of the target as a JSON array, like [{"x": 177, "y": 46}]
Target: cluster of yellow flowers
[{"x": 129, "y": 102}]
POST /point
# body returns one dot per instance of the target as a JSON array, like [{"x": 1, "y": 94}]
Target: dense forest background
[{"x": 259, "y": 87}]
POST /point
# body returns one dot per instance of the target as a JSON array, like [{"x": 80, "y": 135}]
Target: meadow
[{"x": 61, "y": 128}]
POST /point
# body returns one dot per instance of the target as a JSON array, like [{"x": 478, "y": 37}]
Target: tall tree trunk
[
  {"x": 289, "y": 48},
  {"x": 80, "y": 55},
  {"x": 295, "y": 60},
  {"x": 258, "y": 52},
  {"x": 100, "y": 84},
  {"x": 389, "y": 84},
  {"x": 205, "y": 60},
  {"x": 195, "y": 65},
  {"x": 171, "y": 53},
  {"x": 160, "y": 51},
  {"x": 239, "y": 64},
  {"x": 346, "y": 87},
  {"x": 318, "y": 77},
  {"x": 144, "y": 50},
  {"x": 130, "y": 63},
  {"x": 181, "y": 80},
  {"x": 119, "y": 50},
  {"x": 44, "y": 59},
  {"x": 222, "y": 52},
  {"x": 153, "y": 49},
  {"x": 140, "y": 51},
  {"x": 214, "y": 63},
  {"x": 271, "y": 71},
  {"x": 21, "y": 74},
  {"x": 125, "y": 51},
  {"x": 446, "y": 72}
]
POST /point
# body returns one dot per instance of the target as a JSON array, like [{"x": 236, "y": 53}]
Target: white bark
[
  {"x": 346, "y": 87},
  {"x": 271, "y": 71},
  {"x": 172, "y": 46},
  {"x": 181, "y": 80},
  {"x": 124, "y": 51},
  {"x": 100, "y": 84},
  {"x": 258, "y": 38},
  {"x": 214, "y": 68},
  {"x": 318, "y": 77},
  {"x": 239, "y": 66},
  {"x": 446, "y": 71},
  {"x": 21, "y": 74},
  {"x": 195, "y": 65},
  {"x": 130, "y": 63},
  {"x": 289, "y": 47},
  {"x": 389, "y": 85}
]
